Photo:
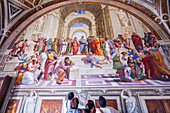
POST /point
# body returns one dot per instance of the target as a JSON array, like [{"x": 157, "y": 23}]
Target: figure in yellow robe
[
  {"x": 54, "y": 45},
  {"x": 96, "y": 46},
  {"x": 70, "y": 43},
  {"x": 158, "y": 62}
]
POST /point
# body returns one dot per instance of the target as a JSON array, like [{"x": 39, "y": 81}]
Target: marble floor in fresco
[{"x": 97, "y": 80}]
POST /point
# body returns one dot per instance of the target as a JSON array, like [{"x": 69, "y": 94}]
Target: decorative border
[
  {"x": 143, "y": 103},
  {"x": 39, "y": 102},
  {"x": 19, "y": 104}
]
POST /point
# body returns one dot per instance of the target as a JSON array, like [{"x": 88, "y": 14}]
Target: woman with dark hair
[
  {"x": 90, "y": 107},
  {"x": 74, "y": 106}
]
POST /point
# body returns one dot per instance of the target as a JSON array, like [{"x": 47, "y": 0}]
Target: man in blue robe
[{"x": 83, "y": 45}]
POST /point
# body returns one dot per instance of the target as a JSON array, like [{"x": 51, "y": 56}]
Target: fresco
[
  {"x": 51, "y": 106},
  {"x": 111, "y": 49},
  {"x": 12, "y": 106}
]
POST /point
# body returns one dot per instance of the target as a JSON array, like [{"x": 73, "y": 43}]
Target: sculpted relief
[{"x": 124, "y": 20}]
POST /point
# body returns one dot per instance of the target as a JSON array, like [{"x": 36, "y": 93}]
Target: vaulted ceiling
[{"x": 95, "y": 9}]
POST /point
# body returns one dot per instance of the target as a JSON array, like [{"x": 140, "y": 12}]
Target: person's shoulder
[{"x": 112, "y": 109}]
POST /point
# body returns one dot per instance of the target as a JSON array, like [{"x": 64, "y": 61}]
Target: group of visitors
[
  {"x": 132, "y": 64},
  {"x": 71, "y": 105}
]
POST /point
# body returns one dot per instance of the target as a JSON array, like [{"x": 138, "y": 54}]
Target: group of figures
[{"x": 129, "y": 64}]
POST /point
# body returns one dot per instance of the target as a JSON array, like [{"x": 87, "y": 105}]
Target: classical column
[
  {"x": 56, "y": 24},
  {"x": 93, "y": 30}
]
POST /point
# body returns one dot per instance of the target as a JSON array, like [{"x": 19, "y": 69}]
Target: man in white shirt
[
  {"x": 104, "y": 108},
  {"x": 67, "y": 102}
]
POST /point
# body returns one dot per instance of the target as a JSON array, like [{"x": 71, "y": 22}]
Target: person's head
[
  {"x": 82, "y": 37},
  {"x": 133, "y": 51},
  {"x": 31, "y": 94},
  {"x": 102, "y": 101},
  {"x": 26, "y": 40},
  {"x": 134, "y": 33},
  {"x": 34, "y": 60},
  {"x": 90, "y": 53},
  {"x": 24, "y": 65},
  {"x": 90, "y": 107},
  {"x": 147, "y": 44},
  {"x": 44, "y": 40},
  {"x": 70, "y": 95},
  {"x": 106, "y": 38},
  {"x": 66, "y": 59},
  {"x": 49, "y": 51},
  {"x": 55, "y": 39},
  {"x": 158, "y": 45},
  {"x": 130, "y": 58},
  {"x": 129, "y": 93},
  {"x": 22, "y": 52},
  {"x": 50, "y": 39},
  {"x": 124, "y": 53},
  {"x": 74, "y": 103},
  {"x": 139, "y": 47},
  {"x": 151, "y": 45},
  {"x": 75, "y": 38}
]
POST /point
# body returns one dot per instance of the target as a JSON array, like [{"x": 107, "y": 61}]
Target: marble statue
[
  {"x": 123, "y": 18},
  {"x": 83, "y": 98},
  {"x": 39, "y": 24},
  {"x": 130, "y": 102},
  {"x": 30, "y": 103}
]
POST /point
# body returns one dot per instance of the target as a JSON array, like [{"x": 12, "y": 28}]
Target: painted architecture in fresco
[{"x": 111, "y": 54}]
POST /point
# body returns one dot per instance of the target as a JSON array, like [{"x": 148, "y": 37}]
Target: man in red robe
[
  {"x": 137, "y": 41},
  {"x": 149, "y": 68}
]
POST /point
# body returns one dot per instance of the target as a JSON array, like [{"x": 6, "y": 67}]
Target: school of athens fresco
[{"x": 89, "y": 49}]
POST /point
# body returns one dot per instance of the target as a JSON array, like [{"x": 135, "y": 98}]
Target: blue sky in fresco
[{"x": 79, "y": 25}]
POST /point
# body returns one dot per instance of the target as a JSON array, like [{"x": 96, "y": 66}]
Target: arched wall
[
  {"x": 79, "y": 20},
  {"x": 149, "y": 22},
  {"x": 79, "y": 30}
]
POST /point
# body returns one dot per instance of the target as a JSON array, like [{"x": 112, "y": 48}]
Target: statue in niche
[
  {"x": 123, "y": 18},
  {"x": 36, "y": 26},
  {"x": 39, "y": 24},
  {"x": 83, "y": 98},
  {"x": 30, "y": 103},
  {"x": 130, "y": 102}
]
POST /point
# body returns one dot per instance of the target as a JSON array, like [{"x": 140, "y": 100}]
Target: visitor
[
  {"x": 74, "y": 106},
  {"x": 104, "y": 108},
  {"x": 67, "y": 102},
  {"x": 90, "y": 107}
]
